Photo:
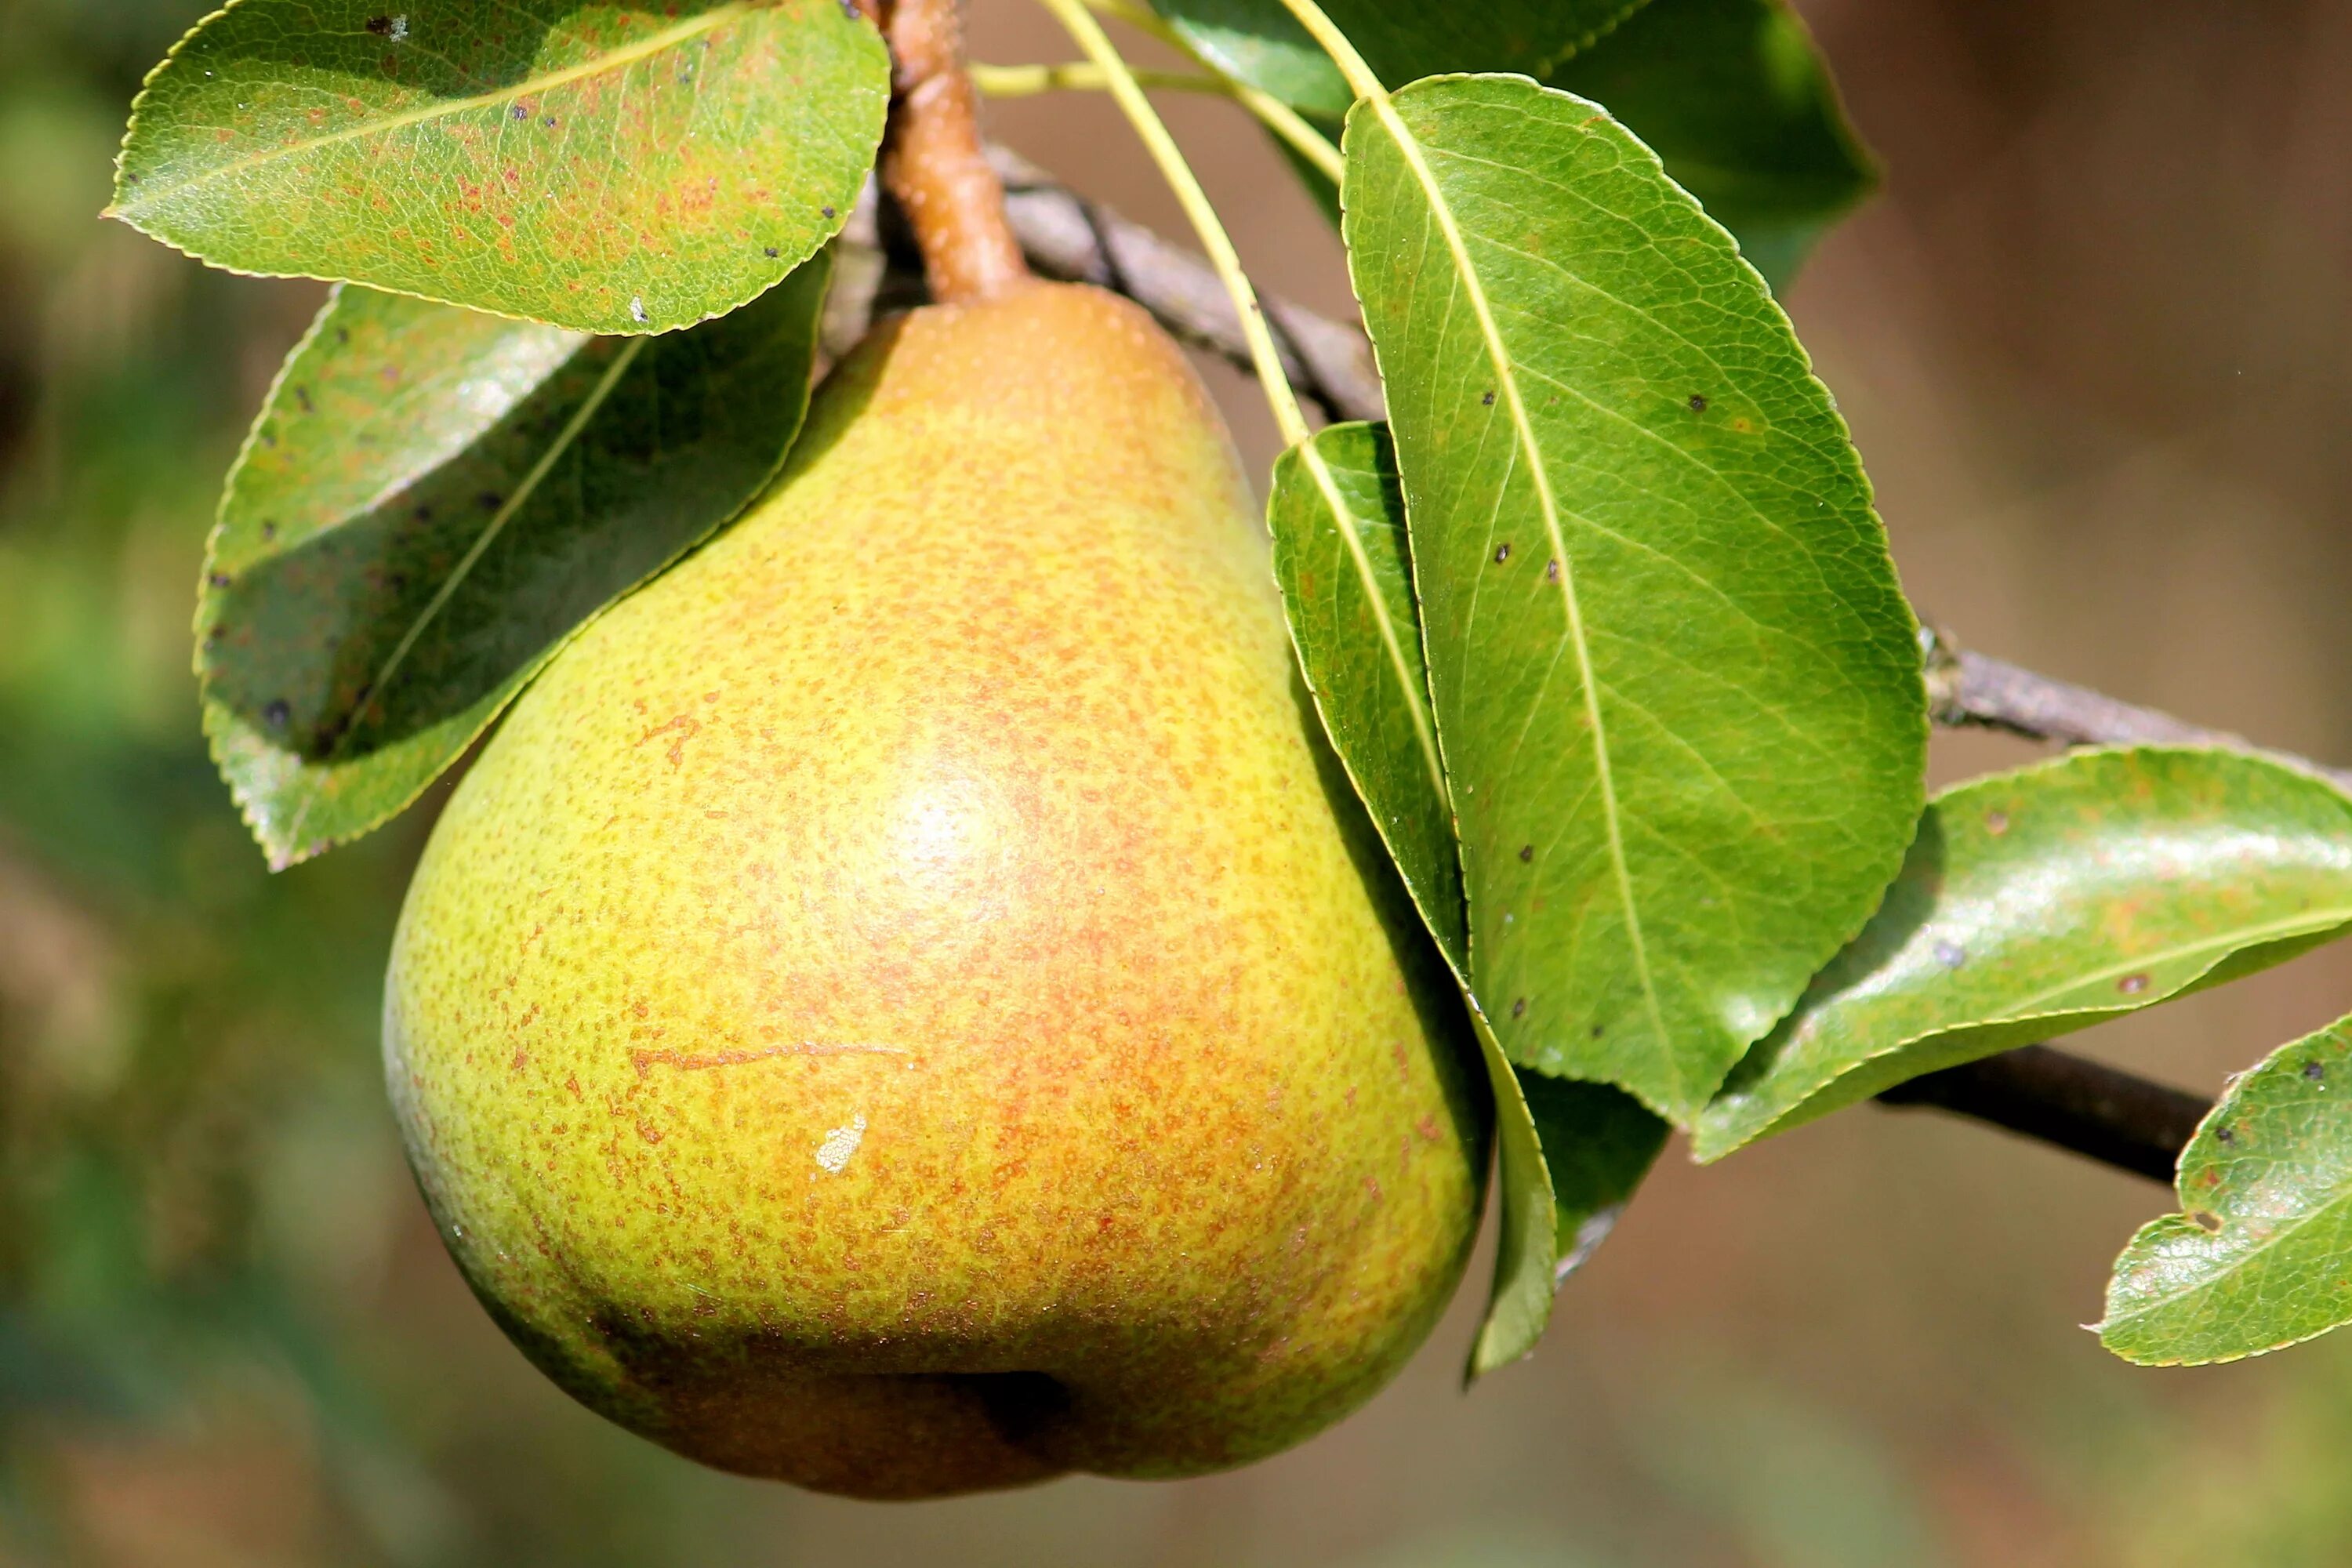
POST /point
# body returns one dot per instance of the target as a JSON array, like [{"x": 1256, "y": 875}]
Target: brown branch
[
  {"x": 1970, "y": 689},
  {"x": 932, "y": 161},
  {"x": 2096, "y": 1112},
  {"x": 1069, "y": 237},
  {"x": 2076, "y": 1104}
]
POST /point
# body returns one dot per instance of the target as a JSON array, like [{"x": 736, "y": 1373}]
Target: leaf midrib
[
  {"x": 1523, "y": 429},
  {"x": 619, "y": 60}
]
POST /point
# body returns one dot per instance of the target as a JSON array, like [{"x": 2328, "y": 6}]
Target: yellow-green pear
[{"x": 906, "y": 1004}]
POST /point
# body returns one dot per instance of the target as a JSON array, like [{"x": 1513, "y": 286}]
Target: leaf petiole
[
  {"x": 1028, "y": 82},
  {"x": 1143, "y": 19},
  {"x": 1127, "y": 93},
  {"x": 1361, "y": 82}
]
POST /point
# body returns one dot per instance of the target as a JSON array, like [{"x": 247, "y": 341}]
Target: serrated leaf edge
[
  {"x": 1860, "y": 474},
  {"x": 1707, "y": 1150},
  {"x": 1383, "y": 106},
  {"x": 2222, "y": 1108}
]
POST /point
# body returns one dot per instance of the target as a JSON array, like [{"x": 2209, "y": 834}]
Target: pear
[{"x": 906, "y": 1004}]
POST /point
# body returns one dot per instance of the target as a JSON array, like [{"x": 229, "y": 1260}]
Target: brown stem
[
  {"x": 2083, "y": 1106},
  {"x": 932, "y": 161},
  {"x": 1066, "y": 236},
  {"x": 1967, "y": 688}
]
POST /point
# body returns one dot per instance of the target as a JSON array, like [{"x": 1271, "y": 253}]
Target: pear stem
[
  {"x": 933, "y": 164},
  {"x": 1087, "y": 34}
]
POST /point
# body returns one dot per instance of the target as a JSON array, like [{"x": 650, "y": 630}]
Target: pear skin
[{"x": 907, "y": 1004}]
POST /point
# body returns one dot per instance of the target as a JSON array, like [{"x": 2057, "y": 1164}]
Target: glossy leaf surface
[
  {"x": 432, "y": 502},
  {"x": 2043, "y": 900},
  {"x": 2260, "y": 1255},
  {"x": 1675, "y": 684},
  {"x": 1737, "y": 100},
  {"x": 626, "y": 167}
]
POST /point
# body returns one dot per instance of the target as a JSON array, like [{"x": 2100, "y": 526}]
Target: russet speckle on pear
[{"x": 907, "y": 1004}]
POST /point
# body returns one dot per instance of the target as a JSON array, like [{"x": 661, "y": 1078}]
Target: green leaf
[
  {"x": 1736, "y": 99},
  {"x": 432, "y": 501},
  {"x": 1320, "y": 186},
  {"x": 1260, "y": 43},
  {"x": 1598, "y": 1142},
  {"x": 1339, "y": 553},
  {"x": 1519, "y": 1303},
  {"x": 2046, "y": 899},
  {"x": 624, "y": 168},
  {"x": 1571, "y": 1154},
  {"x": 2261, "y": 1257},
  {"x": 1732, "y": 94},
  {"x": 1676, "y": 686}
]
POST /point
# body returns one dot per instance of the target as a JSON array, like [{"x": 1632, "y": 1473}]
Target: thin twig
[
  {"x": 2079, "y": 1105},
  {"x": 1970, "y": 689},
  {"x": 1066, "y": 236}
]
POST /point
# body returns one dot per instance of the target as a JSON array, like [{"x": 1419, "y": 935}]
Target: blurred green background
[{"x": 2093, "y": 340}]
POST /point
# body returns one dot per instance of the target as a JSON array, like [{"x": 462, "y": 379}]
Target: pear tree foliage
[{"x": 1600, "y": 622}]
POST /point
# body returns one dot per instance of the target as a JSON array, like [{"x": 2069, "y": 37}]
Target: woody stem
[{"x": 932, "y": 161}]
